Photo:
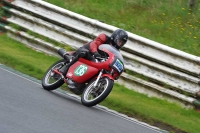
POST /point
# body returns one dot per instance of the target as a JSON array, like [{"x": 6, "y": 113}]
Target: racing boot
[{"x": 65, "y": 68}]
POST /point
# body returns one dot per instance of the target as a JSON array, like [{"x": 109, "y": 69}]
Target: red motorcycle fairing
[
  {"x": 83, "y": 69},
  {"x": 80, "y": 72}
]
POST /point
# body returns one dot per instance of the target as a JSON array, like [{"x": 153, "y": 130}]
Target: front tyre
[
  {"x": 94, "y": 95},
  {"x": 51, "y": 80}
]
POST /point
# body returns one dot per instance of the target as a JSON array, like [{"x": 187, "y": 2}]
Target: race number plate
[{"x": 118, "y": 65}]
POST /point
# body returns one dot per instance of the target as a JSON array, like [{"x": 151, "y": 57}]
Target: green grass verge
[
  {"x": 168, "y": 116},
  {"x": 20, "y": 58},
  {"x": 169, "y": 22}
]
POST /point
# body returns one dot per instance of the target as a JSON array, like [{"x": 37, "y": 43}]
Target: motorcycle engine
[{"x": 75, "y": 87}]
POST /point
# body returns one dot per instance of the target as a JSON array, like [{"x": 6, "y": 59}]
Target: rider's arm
[{"x": 100, "y": 39}]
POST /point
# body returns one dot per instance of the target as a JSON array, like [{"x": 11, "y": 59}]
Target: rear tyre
[
  {"x": 51, "y": 80},
  {"x": 94, "y": 95}
]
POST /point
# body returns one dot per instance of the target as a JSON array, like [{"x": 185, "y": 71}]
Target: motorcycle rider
[{"x": 118, "y": 39}]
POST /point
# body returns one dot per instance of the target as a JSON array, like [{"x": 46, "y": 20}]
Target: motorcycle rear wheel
[
  {"x": 94, "y": 95},
  {"x": 51, "y": 80}
]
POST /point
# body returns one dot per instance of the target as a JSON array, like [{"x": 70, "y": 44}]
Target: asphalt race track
[{"x": 27, "y": 108}]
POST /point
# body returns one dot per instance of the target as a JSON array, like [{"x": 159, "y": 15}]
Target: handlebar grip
[{"x": 62, "y": 52}]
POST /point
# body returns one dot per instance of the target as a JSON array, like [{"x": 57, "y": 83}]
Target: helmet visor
[{"x": 120, "y": 42}]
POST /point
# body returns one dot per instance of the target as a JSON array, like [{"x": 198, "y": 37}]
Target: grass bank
[
  {"x": 169, "y": 22},
  {"x": 154, "y": 111}
]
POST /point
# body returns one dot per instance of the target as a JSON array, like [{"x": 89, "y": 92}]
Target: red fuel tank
[{"x": 80, "y": 72}]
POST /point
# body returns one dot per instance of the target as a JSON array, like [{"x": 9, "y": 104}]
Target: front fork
[
  {"x": 107, "y": 75},
  {"x": 101, "y": 72}
]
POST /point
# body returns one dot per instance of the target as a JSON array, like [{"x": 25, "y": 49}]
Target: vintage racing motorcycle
[{"x": 92, "y": 79}]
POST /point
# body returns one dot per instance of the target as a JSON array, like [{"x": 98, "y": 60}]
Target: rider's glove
[
  {"x": 96, "y": 54},
  {"x": 66, "y": 57}
]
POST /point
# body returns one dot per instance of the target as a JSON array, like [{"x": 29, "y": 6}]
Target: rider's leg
[
  {"x": 65, "y": 68},
  {"x": 81, "y": 52}
]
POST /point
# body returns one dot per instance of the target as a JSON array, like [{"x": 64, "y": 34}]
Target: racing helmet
[{"x": 119, "y": 38}]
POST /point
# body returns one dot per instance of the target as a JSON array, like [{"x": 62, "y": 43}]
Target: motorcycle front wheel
[
  {"x": 52, "y": 80},
  {"x": 94, "y": 95}
]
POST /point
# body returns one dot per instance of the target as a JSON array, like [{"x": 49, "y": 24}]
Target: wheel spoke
[
  {"x": 93, "y": 93},
  {"x": 52, "y": 77}
]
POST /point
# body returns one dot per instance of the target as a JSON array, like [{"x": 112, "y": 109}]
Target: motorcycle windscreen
[{"x": 80, "y": 72}]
